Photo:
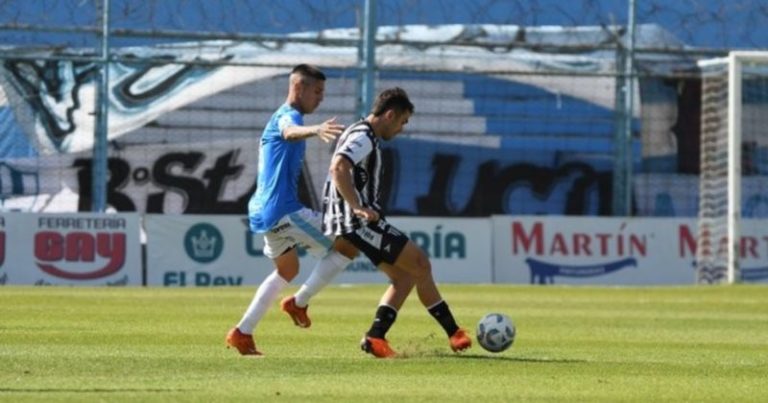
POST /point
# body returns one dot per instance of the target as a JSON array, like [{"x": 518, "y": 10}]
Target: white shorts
[{"x": 302, "y": 228}]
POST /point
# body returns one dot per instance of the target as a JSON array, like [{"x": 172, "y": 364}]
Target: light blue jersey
[{"x": 280, "y": 163}]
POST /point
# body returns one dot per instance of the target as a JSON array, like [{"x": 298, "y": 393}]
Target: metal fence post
[{"x": 99, "y": 161}]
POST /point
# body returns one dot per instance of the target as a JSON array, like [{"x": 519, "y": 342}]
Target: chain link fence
[{"x": 511, "y": 117}]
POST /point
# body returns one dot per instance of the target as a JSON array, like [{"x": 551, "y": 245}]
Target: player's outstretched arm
[{"x": 326, "y": 131}]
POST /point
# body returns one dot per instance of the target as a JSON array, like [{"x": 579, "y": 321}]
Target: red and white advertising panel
[
  {"x": 72, "y": 249},
  {"x": 217, "y": 250},
  {"x": 615, "y": 251},
  {"x": 593, "y": 250}
]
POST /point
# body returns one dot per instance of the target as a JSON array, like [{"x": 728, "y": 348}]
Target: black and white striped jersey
[{"x": 360, "y": 146}]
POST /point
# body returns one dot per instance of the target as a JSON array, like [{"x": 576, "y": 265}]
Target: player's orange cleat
[
  {"x": 242, "y": 342},
  {"x": 460, "y": 341},
  {"x": 377, "y": 347},
  {"x": 299, "y": 315}
]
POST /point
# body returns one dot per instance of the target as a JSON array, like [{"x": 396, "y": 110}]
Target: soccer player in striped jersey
[
  {"x": 352, "y": 211},
  {"x": 275, "y": 210}
]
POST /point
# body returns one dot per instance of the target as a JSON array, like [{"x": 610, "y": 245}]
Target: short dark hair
[
  {"x": 308, "y": 71},
  {"x": 392, "y": 98}
]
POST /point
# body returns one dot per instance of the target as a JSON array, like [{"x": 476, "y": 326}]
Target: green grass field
[{"x": 573, "y": 344}]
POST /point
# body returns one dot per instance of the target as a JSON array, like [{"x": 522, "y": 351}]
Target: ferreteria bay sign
[{"x": 74, "y": 249}]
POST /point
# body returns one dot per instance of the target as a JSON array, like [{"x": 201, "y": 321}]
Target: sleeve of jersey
[
  {"x": 289, "y": 119},
  {"x": 356, "y": 147}
]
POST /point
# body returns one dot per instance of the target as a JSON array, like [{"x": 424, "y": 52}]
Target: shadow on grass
[
  {"x": 419, "y": 349},
  {"x": 410, "y": 352},
  {"x": 515, "y": 359},
  {"x": 93, "y": 390}
]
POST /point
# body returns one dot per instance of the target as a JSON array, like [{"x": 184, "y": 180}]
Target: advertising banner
[
  {"x": 216, "y": 250},
  {"x": 70, "y": 249},
  {"x": 211, "y": 176},
  {"x": 591, "y": 250},
  {"x": 204, "y": 250}
]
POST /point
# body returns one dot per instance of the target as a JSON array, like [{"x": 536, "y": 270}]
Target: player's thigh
[
  {"x": 345, "y": 247},
  {"x": 413, "y": 260}
]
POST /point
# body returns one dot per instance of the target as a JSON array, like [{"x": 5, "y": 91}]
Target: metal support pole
[
  {"x": 625, "y": 93},
  {"x": 99, "y": 164},
  {"x": 733, "y": 219},
  {"x": 629, "y": 93},
  {"x": 620, "y": 152},
  {"x": 368, "y": 59}
]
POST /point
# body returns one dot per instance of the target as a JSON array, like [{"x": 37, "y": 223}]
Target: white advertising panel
[
  {"x": 71, "y": 249},
  {"x": 594, "y": 250},
  {"x": 204, "y": 250},
  {"x": 217, "y": 250}
]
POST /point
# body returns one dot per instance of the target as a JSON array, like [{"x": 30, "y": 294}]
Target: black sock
[
  {"x": 385, "y": 317},
  {"x": 443, "y": 315}
]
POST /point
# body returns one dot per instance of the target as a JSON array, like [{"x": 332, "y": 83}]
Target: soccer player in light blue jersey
[{"x": 275, "y": 210}]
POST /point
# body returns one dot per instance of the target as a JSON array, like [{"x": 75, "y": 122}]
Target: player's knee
[
  {"x": 423, "y": 266},
  {"x": 402, "y": 282}
]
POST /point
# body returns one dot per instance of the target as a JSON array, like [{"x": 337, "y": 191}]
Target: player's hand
[
  {"x": 329, "y": 130},
  {"x": 366, "y": 213}
]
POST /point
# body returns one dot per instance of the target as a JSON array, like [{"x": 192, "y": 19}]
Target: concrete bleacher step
[
  {"x": 566, "y": 144},
  {"x": 528, "y": 117},
  {"x": 476, "y": 111},
  {"x": 552, "y": 128},
  {"x": 255, "y": 120},
  {"x": 423, "y": 123},
  {"x": 439, "y": 105},
  {"x": 539, "y": 107},
  {"x": 414, "y": 88},
  {"x": 481, "y": 87},
  {"x": 331, "y": 104},
  {"x": 155, "y": 133},
  {"x": 348, "y": 86}
]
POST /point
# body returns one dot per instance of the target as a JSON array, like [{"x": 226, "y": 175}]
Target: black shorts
[{"x": 380, "y": 241}]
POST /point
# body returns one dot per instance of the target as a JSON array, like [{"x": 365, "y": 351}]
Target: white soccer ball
[{"x": 495, "y": 332}]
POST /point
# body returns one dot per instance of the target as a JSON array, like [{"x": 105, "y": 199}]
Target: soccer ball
[{"x": 495, "y": 332}]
